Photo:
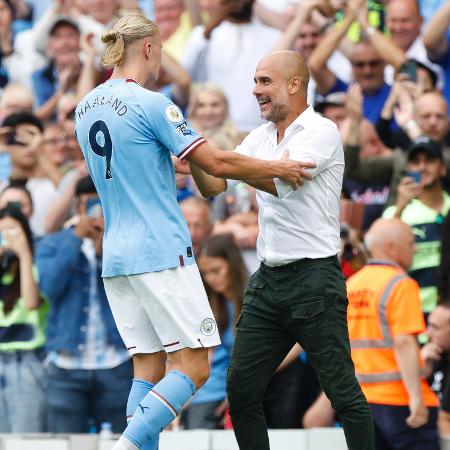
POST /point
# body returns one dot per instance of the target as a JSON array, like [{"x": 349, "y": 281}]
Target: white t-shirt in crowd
[{"x": 229, "y": 59}]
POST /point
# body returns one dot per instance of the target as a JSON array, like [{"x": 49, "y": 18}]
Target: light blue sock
[
  {"x": 139, "y": 389},
  {"x": 159, "y": 407}
]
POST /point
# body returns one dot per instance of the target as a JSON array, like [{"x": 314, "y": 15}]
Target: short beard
[
  {"x": 278, "y": 113},
  {"x": 244, "y": 14}
]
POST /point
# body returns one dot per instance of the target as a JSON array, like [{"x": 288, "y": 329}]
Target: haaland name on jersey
[{"x": 113, "y": 102}]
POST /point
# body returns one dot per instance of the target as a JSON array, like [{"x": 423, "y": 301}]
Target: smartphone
[
  {"x": 416, "y": 176},
  {"x": 94, "y": 208},
  {"x": 409, "y": 68}
]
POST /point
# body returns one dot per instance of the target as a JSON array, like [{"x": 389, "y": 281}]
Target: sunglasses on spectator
[{"x": 371, "y": 63}]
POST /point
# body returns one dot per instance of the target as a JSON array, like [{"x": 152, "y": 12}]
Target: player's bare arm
[{"x": 209, "y": 166}]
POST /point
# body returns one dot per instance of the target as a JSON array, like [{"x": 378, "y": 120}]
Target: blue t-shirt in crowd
[
  {"x": 444, "y": 62},
  {"x": 127, "y": 134},
  {"x": 214, "y": 389},
  {"x": 372, "y": 103}
]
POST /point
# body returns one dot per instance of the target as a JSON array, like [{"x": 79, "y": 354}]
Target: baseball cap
[
  {"x": 426, "y": 145},
  {"x": 63, "y": 20},
  {"x": 333, "y": 99}
]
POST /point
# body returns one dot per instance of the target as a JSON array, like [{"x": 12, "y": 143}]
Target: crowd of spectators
[{"x": 379, "y": 69}]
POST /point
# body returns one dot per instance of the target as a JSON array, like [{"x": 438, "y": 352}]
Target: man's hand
[
  {"x": 294, "y": 172},
  {"x": 418, "y": 413},
  {"x": 30, "y": 136},
  {"x": 406, "y": 191},
  {"x": 181, "y": 167},
  {"x": 403, "y": 112},
  {"x": 431, "y": 352},
  {"x": 354, "y": 102}
]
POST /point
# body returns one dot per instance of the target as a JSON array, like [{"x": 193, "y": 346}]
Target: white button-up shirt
[{"x": 303, "y": 223}]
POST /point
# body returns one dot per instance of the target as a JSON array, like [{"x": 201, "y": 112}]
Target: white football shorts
[{"x": 166, "y": 310}]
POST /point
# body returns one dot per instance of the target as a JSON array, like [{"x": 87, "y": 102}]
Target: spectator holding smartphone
[
  {"x": 422, "y": 203},
  {"x": 23, "y": 312}
]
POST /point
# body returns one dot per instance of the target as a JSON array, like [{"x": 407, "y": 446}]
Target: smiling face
[
  {"x": 368, "y": 67},
  {"x": 271, "y": 93},
  {"x": 209, "y": 110},
  {"x": 404, "y": 22}
]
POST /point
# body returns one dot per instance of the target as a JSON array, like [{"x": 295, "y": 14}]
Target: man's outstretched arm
[{"x": 210, "y": 165}]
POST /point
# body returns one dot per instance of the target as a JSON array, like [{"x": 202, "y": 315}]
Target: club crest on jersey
[
  {"x": 174, "y": 114},
  {"x": 208, "y": 327}
]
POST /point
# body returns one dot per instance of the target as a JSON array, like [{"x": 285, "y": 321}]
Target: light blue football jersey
[{"x": 127, "y": 134}]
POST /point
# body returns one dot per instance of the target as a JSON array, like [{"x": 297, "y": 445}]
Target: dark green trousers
[{"x": 304, "y": 302}]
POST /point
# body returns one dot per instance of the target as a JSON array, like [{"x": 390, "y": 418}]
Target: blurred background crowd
[{"x": 379, "y": 69}]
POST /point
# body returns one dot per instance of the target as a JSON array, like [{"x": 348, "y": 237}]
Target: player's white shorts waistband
[{"x": 166, "y": 310}]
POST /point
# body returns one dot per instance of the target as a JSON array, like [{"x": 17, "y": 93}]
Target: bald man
[
  {"x": 384, "y": 319},
  {"x": 298, "y": 292}
]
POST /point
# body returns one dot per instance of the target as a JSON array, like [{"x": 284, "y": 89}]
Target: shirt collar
[
  {"x": 302, "y": 121},
  {"x": 384, "y": 262}
]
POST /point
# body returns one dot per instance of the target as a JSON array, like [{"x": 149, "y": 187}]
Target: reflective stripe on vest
[{"x": 385, "y": 342}]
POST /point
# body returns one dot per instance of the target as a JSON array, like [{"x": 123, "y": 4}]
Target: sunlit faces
[
  {"x": 431, "y": 168},
  {"x": 309, "y": 35},
  {"x": 271, "y": 92},
  {"x": 54, "y": 144},
  {"x": 404, "y": 22},
  {"x": 167, "y": 16},
  {"x": 431, "y": 114},
  {"x": 368, "y": 67},
  {"x": 64, "y": 40},
  {"x": 209, "y": 110},
  {"x": 215, "y": 272}
]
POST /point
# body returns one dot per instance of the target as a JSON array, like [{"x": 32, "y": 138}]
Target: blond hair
[{"x": 125, "y": 32}]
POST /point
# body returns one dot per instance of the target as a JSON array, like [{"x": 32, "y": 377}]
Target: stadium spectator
[
  {"x": 24, "y": 143},
  {"x": 436, "y": 355},
  {"x": 422, "y": 203},
  {"x": 224, "y": 275},
  {"x": 198, "y": 217},
  {"x": 54, "y": 140},
  {"x": 332, "y": 107},
  {"x": 404, "y": 23},
  {"x": 23, "y": 317},
  {"x": 368, "y": 60},
  {"x": 90, "y": 371},
  {"x": 175, "y": 26},
  {"x": 232, "y": 39},
  {"x": 359, "y": 135},
  {"x": 384, "y": 318},
  {"x": 303, "y": 34},
  {"x": 437, "y": 42},
  {"x": 209, "y": 114},
  {"x": 18, "y": 196},
  {"x": 60, "y": 76},
  {"x": 15, "y": 98},
  {"x": 413, "y": 79},
  {"x": 428, "y": 116}
]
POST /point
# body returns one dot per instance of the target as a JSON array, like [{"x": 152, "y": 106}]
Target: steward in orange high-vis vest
[
  {"x": 384, "y": 318},
  {"x": 383, "y": 302}
]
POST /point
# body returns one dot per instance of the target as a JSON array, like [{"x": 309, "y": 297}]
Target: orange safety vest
[{"x": 383, "y": 302}]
